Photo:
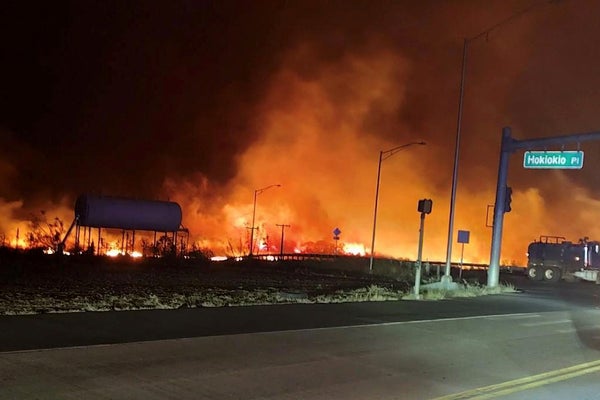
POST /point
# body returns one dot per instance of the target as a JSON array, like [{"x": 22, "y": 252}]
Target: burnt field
[{"x": 33, "y": 282}]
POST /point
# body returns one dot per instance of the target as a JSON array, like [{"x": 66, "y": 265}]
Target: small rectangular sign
[
  {"x": 463, "y": 236},
  {"x": 553, "y": 159}
]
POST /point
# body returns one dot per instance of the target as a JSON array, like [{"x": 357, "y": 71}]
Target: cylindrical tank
[{"x": 129, "y": 214}]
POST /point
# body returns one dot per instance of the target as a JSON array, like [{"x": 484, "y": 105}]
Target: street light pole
[
  {"x": 447, "y": 278},
  {"x": 256, "y": 193},
  {"x": 383, "y": 155}
]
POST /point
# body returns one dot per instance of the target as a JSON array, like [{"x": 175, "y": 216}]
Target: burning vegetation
[{"x": 235, "y": 104}]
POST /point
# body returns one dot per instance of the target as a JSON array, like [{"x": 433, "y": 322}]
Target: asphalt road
[
  {"x": 541, "y": 342},
  {"x": 82, "y": 329}
]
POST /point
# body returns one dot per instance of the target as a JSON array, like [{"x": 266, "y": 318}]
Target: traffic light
[
  {"x": 507, "y": 199},
  {"x": 425, "y": 206}
]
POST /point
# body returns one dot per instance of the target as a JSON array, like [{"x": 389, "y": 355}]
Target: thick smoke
[{"x": 205, "y": 102}]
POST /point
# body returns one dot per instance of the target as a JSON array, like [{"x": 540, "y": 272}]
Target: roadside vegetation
[
  {"x": 466, "y": 289},
  {"x": 33, "y": 283}
]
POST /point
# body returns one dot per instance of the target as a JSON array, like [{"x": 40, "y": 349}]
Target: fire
[
  {"x": 318, "y": 130},
  {"x": 355, "y": 249},
  {"x": 116, "y": 253},
  {"x": 317, "y": 141},
  {"x": 18, "y": 243}
]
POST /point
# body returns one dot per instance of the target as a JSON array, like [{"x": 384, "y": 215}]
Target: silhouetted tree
[
  {"x": 199, "y": 252},
  {"x": 44, "y": 234},
  {"x": 147, "y": 248},
  {"x": 165, "y": 246}
]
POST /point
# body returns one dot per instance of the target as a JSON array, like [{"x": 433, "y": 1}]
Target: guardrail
[{"x": 335, "y": 257}]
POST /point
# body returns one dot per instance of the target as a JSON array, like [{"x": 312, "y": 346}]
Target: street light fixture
[
  {"x": 447, "y": 278},
  {"x": 256, "y": 193},
  {"x": 383, "y": 155}
]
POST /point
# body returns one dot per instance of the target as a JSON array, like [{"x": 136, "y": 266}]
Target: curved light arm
[
  {"x": 259, "y": 191},
  {"x": 388, "y": 153}
]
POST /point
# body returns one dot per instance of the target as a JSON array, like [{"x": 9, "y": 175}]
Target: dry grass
[
  {"x": 36, "y": 284},
  {"x": 464, "y": 290},
  {"x": 40, "y": 303}
]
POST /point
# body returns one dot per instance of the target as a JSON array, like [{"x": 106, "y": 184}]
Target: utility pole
[
  {"x": 283, "y": 226},
  {"x": 251, "y": 239},
  {"x": 253, "y": 227}
]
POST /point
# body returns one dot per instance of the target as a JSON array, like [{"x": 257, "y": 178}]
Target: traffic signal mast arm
[{"x": 510, "y": 145}]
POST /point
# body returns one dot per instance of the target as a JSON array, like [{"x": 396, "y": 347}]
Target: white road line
[
  {"x": 424, "y": 321},
  {"x": 515, "y": 316},
  {"x": 570, "y": 330},
  {"x": 496, "y": 316},
  {"x": 560, "y": 321},
  {"x": 583, "y": 328}
]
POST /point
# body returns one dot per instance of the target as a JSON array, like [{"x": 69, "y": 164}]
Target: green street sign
[{"x": 553, "y": 159}]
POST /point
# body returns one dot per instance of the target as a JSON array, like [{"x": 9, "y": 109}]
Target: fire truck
[{"x": 553, "y": 258}]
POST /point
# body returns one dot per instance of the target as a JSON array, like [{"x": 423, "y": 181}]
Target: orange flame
[{"x": 321, "y": 129}]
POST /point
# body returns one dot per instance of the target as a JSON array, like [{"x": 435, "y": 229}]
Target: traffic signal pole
[
  {"x": 508, "y": 146},
  {"x": 505, "y": 150},
  {"x": 424, "y": 207}
]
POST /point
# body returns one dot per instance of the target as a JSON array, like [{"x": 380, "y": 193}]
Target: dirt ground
[{"x": 37, "y": 283}]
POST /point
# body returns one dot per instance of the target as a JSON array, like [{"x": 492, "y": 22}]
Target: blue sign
[
  {"x": 463, "y": 236},
  {"x": 337, "y": 232}
]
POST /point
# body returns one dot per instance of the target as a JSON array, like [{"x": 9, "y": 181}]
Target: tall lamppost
[
  {"x": 447, "y": 278},
  {"x": 256, "y": 193},
  {"x": 383, "y": 155}
]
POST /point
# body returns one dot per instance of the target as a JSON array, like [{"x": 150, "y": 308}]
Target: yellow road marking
[{"x": 517, "y": 385}]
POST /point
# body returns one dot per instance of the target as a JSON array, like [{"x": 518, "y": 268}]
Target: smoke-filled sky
[{"x": 204, "y": 102}]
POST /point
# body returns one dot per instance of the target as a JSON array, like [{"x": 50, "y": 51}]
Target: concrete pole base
[{"x": 446, "y": 283}]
